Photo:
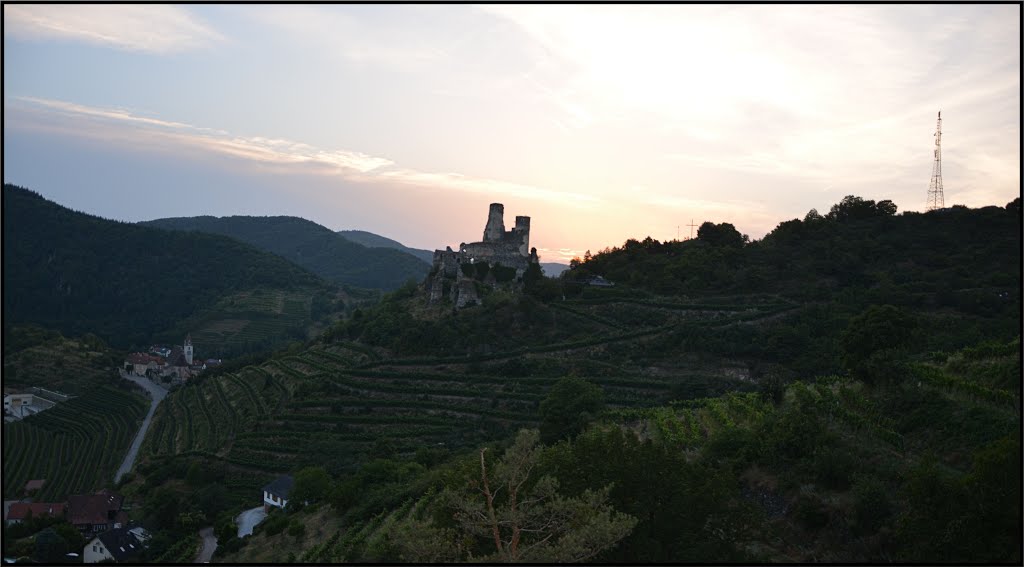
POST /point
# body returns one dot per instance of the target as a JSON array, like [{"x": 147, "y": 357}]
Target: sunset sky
[{"x": 600, "y": 122}]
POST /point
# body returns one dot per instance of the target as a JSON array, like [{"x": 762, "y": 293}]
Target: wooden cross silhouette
[{"x": 691, "y": 225}]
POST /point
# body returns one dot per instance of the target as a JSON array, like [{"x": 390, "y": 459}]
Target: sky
[{"x": 601, "y": 123}]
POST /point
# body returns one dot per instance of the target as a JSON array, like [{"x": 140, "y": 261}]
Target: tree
[
  {"x": 724, "y": 234},
  {"x": 526, "y": 518},
  {"x": 878, "y": 328},
  {"x": 312, "y": 484},
  {"x": 568, "y": 408},
  {"x": 50, "y": 547},
  {"x": 212, "y": 498},
  {"x": 856, "y": 208},
  {"x": 886, "y": 208}
]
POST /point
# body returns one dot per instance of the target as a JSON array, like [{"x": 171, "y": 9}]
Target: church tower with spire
[{"x": 188, "y": 349}]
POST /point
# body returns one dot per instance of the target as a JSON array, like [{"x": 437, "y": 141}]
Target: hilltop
[
  {"x": 717, "y": 361},
  {"x": 314, "y": 247}
]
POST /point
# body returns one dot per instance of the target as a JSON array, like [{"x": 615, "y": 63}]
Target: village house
[
  {"x": 276, "y": 493},
  {"x": 163, "y": 351},
  {"x": 141, "y": 364},
  {"x": 119, "y": 545},
  {"x": 16, "y": 404},
  {"x": 22, "y": 511},
  {"x": 94, "y": 513}
]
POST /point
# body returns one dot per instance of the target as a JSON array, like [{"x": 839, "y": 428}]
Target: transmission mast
[{"x": 935, "y": 199}]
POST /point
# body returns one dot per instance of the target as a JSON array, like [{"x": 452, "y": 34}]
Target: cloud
[
  {"x": 794, "y": 94},
  {"x": 151, "y": 28},
  {"x": 119, "y": 125},
  {"x": 355, "y": 35}
]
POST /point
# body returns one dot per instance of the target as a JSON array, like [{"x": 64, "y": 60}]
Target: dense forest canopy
[
  {"x": 79, "y": 274},
  {"x": 316, "y": 248}
]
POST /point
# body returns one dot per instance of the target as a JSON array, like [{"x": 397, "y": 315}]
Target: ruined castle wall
[{"x": 510, "y": 249}]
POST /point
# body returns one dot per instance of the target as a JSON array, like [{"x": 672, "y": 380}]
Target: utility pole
[{"x": 935, "y": 197}]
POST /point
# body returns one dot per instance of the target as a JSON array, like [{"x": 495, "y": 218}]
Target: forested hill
[
  {"x": 860, "y": 248},
  {"x": 313, "y": 247},
  {"x": 80, "y": 273}
]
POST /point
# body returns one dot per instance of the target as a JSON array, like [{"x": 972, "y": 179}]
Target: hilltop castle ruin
[{"x": 501, "y": 258}]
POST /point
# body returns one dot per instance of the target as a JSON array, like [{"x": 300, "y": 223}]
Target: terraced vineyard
[
  {"x": 76, "y": 446},
  {"x": 248, "y": 320},
  {"x": 334, "y": 404}
]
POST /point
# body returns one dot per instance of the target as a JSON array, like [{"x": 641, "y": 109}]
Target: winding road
[
  {"x": 157, "y": 393},
  {"x": 247, "y": 520},
  {"x": 209, "y": 545}
]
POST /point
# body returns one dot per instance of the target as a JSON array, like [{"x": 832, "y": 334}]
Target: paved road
[
  {"x": 247, "y": 520},
  {"x": 158, "y": 394},
  {"x": 209, "y": 545}
]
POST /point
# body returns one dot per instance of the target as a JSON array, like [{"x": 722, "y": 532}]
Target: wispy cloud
[
  {"x": 112, "y": 124},
  {"x": 151, "y": 27},
  {"x": 333, "y": 32}
]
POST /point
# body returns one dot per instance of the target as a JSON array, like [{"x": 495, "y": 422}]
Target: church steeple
[{"x": 188, "y": 349}]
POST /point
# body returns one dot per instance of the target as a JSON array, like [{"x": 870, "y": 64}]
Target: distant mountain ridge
[
  {"x": 371, "y": 240},
  {"x": 312, "y": 246},
  {"x": 126, "y": 283}
]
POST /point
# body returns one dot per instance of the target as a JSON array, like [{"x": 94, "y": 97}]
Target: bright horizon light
[{"x": 600, "y": 122}]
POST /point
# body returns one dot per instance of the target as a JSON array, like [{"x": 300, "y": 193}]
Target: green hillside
[
  {"x": 857, "y": 411},
  {"x": 78, "y": 444},
  {"x": 314, "y": 247},
  {"x": 130, "y": 284}
]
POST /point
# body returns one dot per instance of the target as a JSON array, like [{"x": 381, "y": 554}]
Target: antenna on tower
[{"x": 935, "y": 198}]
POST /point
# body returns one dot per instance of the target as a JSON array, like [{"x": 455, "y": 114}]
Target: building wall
[
  {"x": 16, "y": 400},
  {"x": 95, "y": 552},
  {"x": 273, "y": 500}
]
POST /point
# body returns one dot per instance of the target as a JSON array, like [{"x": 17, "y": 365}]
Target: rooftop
[
  {"x": 21, "y": 510},
  {"x": 121, "y": 543},
  {"x": 281, "y": 486}
]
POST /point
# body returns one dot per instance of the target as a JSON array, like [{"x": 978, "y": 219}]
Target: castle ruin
[{"x": 502, "y": 257}]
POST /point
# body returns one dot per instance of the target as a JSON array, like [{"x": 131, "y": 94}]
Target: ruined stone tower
[
  {"x": 495, "y": 228},
  {"x": 456, "y": 274}
]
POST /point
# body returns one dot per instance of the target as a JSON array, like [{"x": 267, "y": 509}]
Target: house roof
[
  {"x": 93, "y": 508},
  {"x": 143, "y": 358},
  {"x": 281, "y": 486},
  {"x": 138, "y": 358},
  {"x": 20, "y": 510},
  {"x": 121, "y": 543},
  {"x": 34, "y": 484}
]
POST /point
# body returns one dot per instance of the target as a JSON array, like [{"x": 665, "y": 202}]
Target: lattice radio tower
[{"x": 935, "y": 199}]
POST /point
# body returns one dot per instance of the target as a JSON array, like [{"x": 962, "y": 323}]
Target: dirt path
[
  {"x": 158, "y": 394},
  {"x": 209, "y": 545}
]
